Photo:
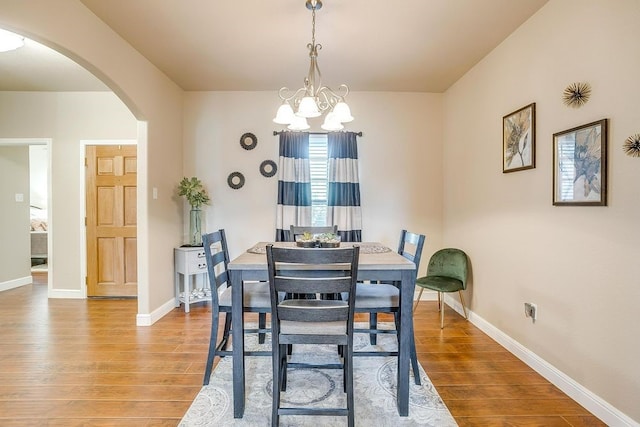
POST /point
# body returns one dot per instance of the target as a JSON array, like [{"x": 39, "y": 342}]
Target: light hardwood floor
[{"x": 85, "y": 363}]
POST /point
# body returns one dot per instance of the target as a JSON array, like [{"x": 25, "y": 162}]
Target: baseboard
[
  {"x": 593, "y": 403},
  {"x": 155, "y": 315},
  {"x": 66, "y": 293},
  {"x": 15, "y": 283}
]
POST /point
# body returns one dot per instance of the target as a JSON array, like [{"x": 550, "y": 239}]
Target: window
[{"x": 318, "y": 166}]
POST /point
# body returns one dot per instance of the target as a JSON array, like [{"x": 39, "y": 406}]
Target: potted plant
[
  {"x": 306, "y": 240},
  {"x": 329, "y": 240},
  {"x": 196, "y": 195}
]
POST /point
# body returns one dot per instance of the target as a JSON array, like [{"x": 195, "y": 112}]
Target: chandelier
[{"x": 313, "y": 99}]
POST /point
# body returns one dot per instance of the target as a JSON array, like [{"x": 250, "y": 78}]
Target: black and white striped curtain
[
  {"x": 294, "y": 184},
  {"x": 344, "y": 186}
]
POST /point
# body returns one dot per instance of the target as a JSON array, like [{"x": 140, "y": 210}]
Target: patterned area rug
[{"x": 374, "y": 384}]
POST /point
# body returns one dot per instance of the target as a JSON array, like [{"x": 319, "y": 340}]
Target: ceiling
[{"x": 251, "y": 45}]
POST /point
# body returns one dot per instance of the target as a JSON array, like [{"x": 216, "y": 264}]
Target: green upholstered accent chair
[{"x": 446, "y": 272}]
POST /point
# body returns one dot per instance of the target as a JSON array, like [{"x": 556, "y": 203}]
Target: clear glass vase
[{"x": 195, "y": 227}]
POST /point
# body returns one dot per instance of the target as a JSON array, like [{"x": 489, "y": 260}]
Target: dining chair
[
  {"x": 447, "y": 272},
  {"x": 374, "y": 298},
  {"x": 316, "y": 321},
  {"x": 256, "y": 299}
]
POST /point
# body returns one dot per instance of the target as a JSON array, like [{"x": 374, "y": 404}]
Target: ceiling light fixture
[
  {"x": 10, "y": 41},
  {"x": 313, "y": 99}
]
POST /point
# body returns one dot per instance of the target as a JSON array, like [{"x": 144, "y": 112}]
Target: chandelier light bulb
[
  {"x": 331, "y": 122},
  {"x": 298, "y": 123},
  {"x": 285, "y": 114},
  {"x": 342, "y": 112},
  {"x": 308, "y": 108}
]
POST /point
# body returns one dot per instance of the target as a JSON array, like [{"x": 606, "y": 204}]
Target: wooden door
[{"x": 111, "y": 210}]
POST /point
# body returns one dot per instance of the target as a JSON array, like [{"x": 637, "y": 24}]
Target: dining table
[{"x": 376, "y": 263}]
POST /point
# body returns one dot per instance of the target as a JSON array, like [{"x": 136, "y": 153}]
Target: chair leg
[
  {"x": 275, "y": 402},
  {"x": 466, "y": 316},
  {"x": 373, "y": 324},
  {"x": 441, "y": 304},
  {"x": 226, "y": 331},
  {"x": 418, "y": 300},
  {"x": 262, "y": 323},
  {"x": 283, "y": 367},
  {"x": 348, "y": 361},
  {"x": 212, "y": 345}
]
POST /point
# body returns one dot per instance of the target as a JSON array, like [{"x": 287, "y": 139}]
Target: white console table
[{"x": 188, "y": 263}]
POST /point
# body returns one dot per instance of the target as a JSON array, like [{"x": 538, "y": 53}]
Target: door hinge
[
  {"x": 86, "y": 280},
  {"x": 86, "y": 162}
]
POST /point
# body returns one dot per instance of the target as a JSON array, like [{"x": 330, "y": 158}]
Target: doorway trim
[{"x": 83, "y": 203}]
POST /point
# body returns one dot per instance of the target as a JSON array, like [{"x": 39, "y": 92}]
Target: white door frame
[{"x": 83, "y": 202}]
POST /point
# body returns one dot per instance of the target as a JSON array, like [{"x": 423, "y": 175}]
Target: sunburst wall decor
[
  {"x": 631, "y": 146},
  {"x": 576, "y": 94}
]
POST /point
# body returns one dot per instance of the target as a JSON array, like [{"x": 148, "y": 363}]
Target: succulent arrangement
[{"x": 324, "y": 240}]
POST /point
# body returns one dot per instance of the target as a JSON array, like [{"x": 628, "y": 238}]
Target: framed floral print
[
  {"x": 519, "y": 139},
  {"x": 580, "y": 165}
]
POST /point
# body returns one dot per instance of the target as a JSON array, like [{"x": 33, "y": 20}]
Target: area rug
[{"x": 374, "y": 385}]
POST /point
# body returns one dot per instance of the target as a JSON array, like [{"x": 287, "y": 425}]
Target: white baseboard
[
  {"x": 155, "y": 315},
  {"x": 15, "y": 283},
  {"x": 66, "y": 293},
  {"x": 593, "y": 403}
]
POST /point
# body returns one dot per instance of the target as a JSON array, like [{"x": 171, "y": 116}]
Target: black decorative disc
[
  {"x": 235, "y": 180},
  {"x": 248, "y": 141},
  {"x": 268, "y": 168}
]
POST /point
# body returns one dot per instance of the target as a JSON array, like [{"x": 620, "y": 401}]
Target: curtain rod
[{"x": 278, "y": 132}]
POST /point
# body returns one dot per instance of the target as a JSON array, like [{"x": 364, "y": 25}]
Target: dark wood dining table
[{"x": 376, "y": 263}]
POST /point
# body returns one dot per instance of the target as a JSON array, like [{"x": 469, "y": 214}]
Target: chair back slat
[
  {"x": 217, "y": 257},
  {"x": 309, "y": 314},
  {"x": 300, "y": 285},
  {"x": 415, "y": 240}
]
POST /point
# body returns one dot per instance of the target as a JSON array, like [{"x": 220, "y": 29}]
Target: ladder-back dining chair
[
  {"x": 374, "y": 298},
  {"x": 312, "y": 321},
  {"x": 256, "y": 299}
]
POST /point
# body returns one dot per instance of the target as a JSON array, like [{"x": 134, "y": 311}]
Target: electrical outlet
[{"x": 531, "y": 310}]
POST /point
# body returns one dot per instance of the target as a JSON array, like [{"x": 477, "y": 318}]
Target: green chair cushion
[{"x": 440, "y": 283}]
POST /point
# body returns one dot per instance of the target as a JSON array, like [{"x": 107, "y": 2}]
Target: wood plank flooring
[{"x": 85, "y": 363}]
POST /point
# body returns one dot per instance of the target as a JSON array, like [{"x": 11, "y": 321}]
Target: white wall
[
  {"x": 66, "y": 118},
  {"x": 579, "y": 264},
  {"x": 15, "y": 259},
  {"x": 38, "y": 175},
  {"x": 400, "y": 163}
]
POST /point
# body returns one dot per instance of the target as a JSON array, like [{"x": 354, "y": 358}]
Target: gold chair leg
[
  {"x": 441, "y": 298},
  {"x": 419, "y": 296},
  {"x": 466, "y": 316}
]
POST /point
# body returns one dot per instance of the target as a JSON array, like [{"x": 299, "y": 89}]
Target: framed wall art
[
  {"x": 519, "y": 139},
  {"x": 580, "y": 165}
]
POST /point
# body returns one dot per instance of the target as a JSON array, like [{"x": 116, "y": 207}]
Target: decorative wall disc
[
  {"x": 576, "y": 94},
  {"x": 631, "y": 146},
  {"x": 248, "y": 141},
  {"x": 235, "y": 180},
  {"x": 268, "y": 168}
]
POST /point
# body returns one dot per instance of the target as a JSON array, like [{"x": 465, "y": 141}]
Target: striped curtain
[
  {"x": 294, "y": 184},
  {"x": 344, "y": 186}
]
